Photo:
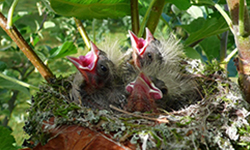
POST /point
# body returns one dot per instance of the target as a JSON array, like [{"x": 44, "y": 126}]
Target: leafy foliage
[
  {"x": 6, "y": 139},
  {"x": 91, "y": 9}
]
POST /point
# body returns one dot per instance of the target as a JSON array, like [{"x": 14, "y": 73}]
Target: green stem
[
  {"x": 223, "y": 46},
  {"x": 18, "y": 82},
  {"x": 134, "y": 16},
  {"x": 82, "y": 32},
  {"x": 27, "y": 50},
  {"x": 10, "y": 14},
  {"x": 145, "y": 18},
  {"x": 227, "y": 59},
  {"x": 11, "y": 104},
  {"x": 93, "y": 29},
  {"x": 1, "y": 7},
  {"x": 241, "y": 18},
  {"x": 226, "y": 17},
  {"x": 154, "y": 16},
  {"x": 170, "y": 29}
]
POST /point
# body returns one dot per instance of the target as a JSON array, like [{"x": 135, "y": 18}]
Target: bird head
[
  {"x": 143, "y": 94},
  {"x": 144, "y": 50},
  {"x": 94, "y": 66}
]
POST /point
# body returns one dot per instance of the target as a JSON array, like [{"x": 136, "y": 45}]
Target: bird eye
[
  {"x": 149, "y": 56},
  {"x": 103, "y": 68}
]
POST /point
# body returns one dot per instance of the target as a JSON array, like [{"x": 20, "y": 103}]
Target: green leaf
[
  {"x": 200, "y": 28},
  {"x": 89, "y": 9},
  {"x": 211, "y": 47},
  {"x": 6, "y": 139},
  {"x": 14, "y": 86},
  {"x": 181, "y": 4},
  {"x": 192, "y": 53},
  {"x": 66, "y": 49},
  {"x": 3, "y": 66}
]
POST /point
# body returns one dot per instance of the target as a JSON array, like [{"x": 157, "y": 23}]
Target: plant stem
[
  {"x": 241, "y": 18},
  {"x": 93, "y": 29},
  {"x": 134, "y": 16},
  {"x": 226, "y": 17},
  {"x": 227, "y": 59},
  {"x": 154, "y": 15},
  {"x": 145, "y": 19},
  {"x": 83, "y": 32},
  {"x": 10, "y": 14},
  {"x": 18, "y": 82},
  {"x": 223, "y": 48},
  {"x": 11, "y": 104},
  {"x": 27, "y": 50},
  {"x": 242, "y": 42}
]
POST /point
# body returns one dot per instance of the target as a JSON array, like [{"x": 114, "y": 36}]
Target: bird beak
[
  {"x": 144, "y": 85},
  {"x": 139, "y": 44},
  {"x": 87, "y": 62}
]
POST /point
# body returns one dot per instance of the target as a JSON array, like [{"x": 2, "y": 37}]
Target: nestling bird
[
  {"x": 145, "y": 51},
  {"x": 96, "y": 86},
  {"x": 161, "y": 60},
  {"x": 143, "y": 94}
]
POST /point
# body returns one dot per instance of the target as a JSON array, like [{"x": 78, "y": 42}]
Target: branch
[
  {"x": 155, "y": 15},
  {"x": 11, "y": 104},
  {"x": 134, "y": 16},
  {"x": 10, "y": 14},
  {"x": 83, "y": 32},
  {"x": 18, "y": 82},
  {"x": 241, "y": 18},
  {"x": 27, "y": 50},
  {"x": 226, "y": 17},
  {"x": 145, "y": 18}
]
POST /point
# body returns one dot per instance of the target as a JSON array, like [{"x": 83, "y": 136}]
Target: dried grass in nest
[{"x": 219, "y": 121}]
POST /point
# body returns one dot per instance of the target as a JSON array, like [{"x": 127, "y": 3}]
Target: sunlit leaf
[
  {"x": 195, "y": 12},
  {"x": 66, "y": 49},
  {"x": 49, "y": 24},
  {"x": 89, "y": 9},
  {"x": 6, "y": 139}
]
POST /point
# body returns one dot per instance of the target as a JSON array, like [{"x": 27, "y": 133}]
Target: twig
[
  {"x": 82, "y": 32},
  {"x": 226, "y": 17},
  {"x": 134, "y": 16},
  {"x": 154, "y": 15},
  {"x": 145, "y": 18},
  {"x": 27, "y": 50},
  {"x": 139, "y": 116},
  {"x": 18, "y": 82},
  {"x": 10, "y": 14},
  {"x": 227, "y": 59}
]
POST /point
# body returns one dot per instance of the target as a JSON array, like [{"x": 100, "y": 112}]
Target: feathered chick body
[
  {"x": 161, "y": 60},
  {"x": 95, "y": 85}
]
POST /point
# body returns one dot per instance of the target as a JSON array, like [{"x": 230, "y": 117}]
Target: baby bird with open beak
[
  {"x": 161, "y": 61},
  {"x": 96, "y": 86},
  {"x": 143, "y": 94}
]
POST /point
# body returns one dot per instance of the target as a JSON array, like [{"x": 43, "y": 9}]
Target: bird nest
[{"x": 220, "y": 120}]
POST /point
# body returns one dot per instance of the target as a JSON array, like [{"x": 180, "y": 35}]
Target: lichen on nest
[{"x": 220, "y": 120}]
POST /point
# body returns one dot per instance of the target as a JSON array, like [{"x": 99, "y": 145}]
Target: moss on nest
[{"x": 218, "y": 121}]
